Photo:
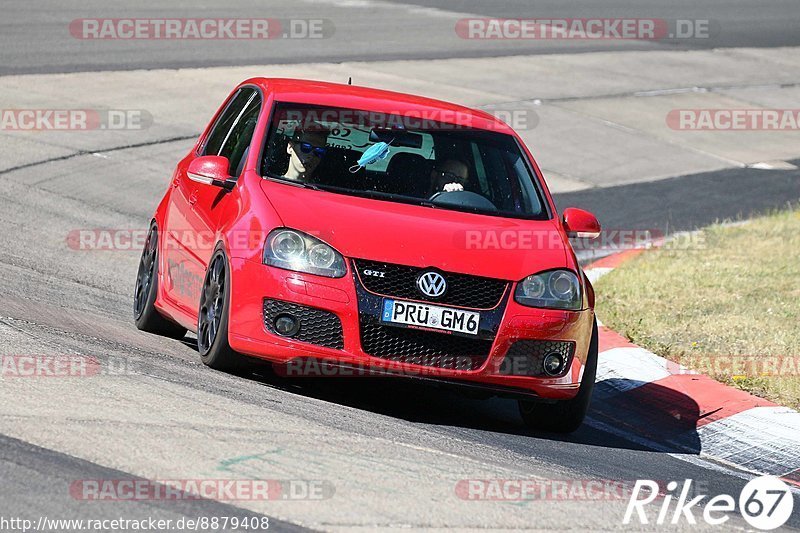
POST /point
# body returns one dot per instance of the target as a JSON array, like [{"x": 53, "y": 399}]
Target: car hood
[{"x": 412, "y": 235}]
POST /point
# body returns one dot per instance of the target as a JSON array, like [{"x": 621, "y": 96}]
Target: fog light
[
  {"x": 553, "y": 364},
  {"x": 286, "y": 325}
]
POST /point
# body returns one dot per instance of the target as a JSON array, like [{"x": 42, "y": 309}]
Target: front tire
[
  {"x": 145, "y": 314},
  {"x": 564, "y": 416},
  {"x": 212, "y": 317}
]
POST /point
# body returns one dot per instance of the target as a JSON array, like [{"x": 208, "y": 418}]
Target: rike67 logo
[{"x": 766, "y": 503}]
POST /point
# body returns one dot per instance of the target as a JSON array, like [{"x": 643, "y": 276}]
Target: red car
[{"x": 373, "y": 230}]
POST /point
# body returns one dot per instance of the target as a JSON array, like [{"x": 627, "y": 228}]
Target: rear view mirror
[
  {"x": 211, "y": 170},
  {"x": 396, "y": 137},
  {"x": 580, "y": 224}
]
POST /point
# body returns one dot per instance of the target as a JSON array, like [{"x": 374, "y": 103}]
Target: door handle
[
  {"x": 176, "y": 182},
  {"x": 193, "y": 197}
]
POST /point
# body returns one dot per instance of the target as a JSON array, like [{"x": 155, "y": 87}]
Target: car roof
[{"x": 377, "y": 100}]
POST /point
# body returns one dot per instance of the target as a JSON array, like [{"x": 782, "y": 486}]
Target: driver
[
  {"x": 306, "y": 149},
  {"x": 449, "y": 176}
]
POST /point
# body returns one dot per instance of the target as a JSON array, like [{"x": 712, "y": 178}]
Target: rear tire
[
  {"x": 564, "y": 416},
  {"x": 145, "y": 313},
  {"x": 212, "y": 317}
]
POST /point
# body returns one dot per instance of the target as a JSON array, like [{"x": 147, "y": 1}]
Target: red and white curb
[{"x": 673, "y": 409}]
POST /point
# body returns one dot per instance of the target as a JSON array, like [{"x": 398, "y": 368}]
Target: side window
[{"x": 233, "y": 131}]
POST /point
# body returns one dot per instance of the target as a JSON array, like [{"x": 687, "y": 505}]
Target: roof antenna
[{"x": 350, "y": 80}]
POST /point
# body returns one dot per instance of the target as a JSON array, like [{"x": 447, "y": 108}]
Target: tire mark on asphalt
[
  {"x": 100, "y": 151},
  {"x": 52, "y": 472}
]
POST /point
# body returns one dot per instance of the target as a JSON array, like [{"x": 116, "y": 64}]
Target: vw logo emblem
[{"x": 432, "y": 284}]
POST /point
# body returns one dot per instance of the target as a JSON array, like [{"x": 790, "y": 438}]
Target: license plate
[{"x": 430, "y": 316}]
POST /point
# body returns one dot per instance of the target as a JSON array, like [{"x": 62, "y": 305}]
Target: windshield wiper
[
  {"x": 288, "y": 181},
  {"x": 374, "y": 195},
  {"x": 427, "y": 203}
]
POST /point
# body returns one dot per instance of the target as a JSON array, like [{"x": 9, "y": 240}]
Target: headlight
[
  {"x": 558, "y": 289},
  {"x": 293, "y": 250}
]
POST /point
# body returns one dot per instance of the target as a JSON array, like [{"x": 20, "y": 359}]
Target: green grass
[{"x": 731, "y": 291}]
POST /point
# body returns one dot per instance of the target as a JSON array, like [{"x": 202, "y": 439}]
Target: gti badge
[{"x": 432, "y": 284}]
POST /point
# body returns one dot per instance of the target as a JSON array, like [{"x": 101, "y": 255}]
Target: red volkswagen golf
[{"x": 374, "y": 230}]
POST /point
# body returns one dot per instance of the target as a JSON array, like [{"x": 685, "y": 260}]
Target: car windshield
[{"x": 403, "y": 159}]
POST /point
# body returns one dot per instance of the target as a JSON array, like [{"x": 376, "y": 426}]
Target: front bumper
[{"x": 252, "y": 283}]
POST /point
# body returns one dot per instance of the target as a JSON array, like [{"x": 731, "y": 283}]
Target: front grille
[
  {"x": 525, "y": 357},
  {"x": 316, "y": 326},
  {"x": 400, "y": 281},
  {"x": 412, "y": 346}
]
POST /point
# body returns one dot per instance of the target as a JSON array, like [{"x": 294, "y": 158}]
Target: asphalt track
[{"x": 394, "y": 451}]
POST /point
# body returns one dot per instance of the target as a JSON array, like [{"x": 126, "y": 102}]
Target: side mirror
[
  {"x": 581, "y": 224},
  {"x": 211, "y": 170}
]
